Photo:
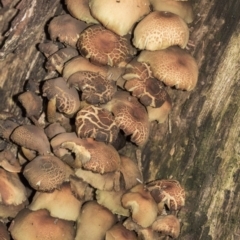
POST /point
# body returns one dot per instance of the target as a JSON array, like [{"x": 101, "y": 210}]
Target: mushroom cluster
[{"x": 113, "y": 62}]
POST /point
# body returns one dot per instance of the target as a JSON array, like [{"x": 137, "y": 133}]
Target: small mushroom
[
  {"x": 102, "y": 46},
  {"x": 9, "y": 162},
  {"x": 48, "y": 48},
  {"x": 39, "y": 225},
  {"x": 93, "y": 222},
  {"x": 54, "y": 129},
  {"x": 6, "y": 128},
  {"x": 66, "y": 29},
  {"x": 121, "y": 15},
  {"x": 98, "y": 123},
  {"x": 160, "y": 30},
  {"x": 119, "y": 232},
  {"x": 183, "y": 73},
  {"x": 95, "y": 88}
]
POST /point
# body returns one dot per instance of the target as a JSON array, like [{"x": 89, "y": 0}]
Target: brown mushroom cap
[
  {"x": 160, "y": 30},
  {"x": 95, "y": 156},
  {"x": 130, "y": 116},
  {"x": 6, "y": 128},
  {"x": 173, "y": 66},
  {"x": 49, "y": 47},
  {"x": 66, "y": 29},
  {"x": 93, "y": 222},
  {"x": 102, "y": 46},
  {"x": 9, "y": 162},
  {"x": 80, "y": 10},
  {"x": 167, "y": 225},
  {"x": 169, "y": 192},
  {"x": 39, "y": 225},
  {"x": 143, "y": 207},
  {"x": 119, "y": 232},
  {"x": 121, "y": 15},
  {"x": 182, "y": 8},
  {"x": 95, "y": 88},
  {"x": 98, "y": 123},
  {"x": 31, "y": 137},
  {"x": 54, "y": 129},
  {"x": 46, "y": 173}
]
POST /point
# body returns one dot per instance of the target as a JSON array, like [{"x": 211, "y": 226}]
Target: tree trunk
[{"x": 199, "y": 145}]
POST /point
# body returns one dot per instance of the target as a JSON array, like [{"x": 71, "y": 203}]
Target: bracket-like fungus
[
  {"x": 173, "y": 66},
  {"x": 95, "y": 88},
  {"x": 98, "y": 123},
  {"x": 66, "y": 29},
  {"x": 160, "y": 30},
  {"x": 102, "y": 46},
  {"x": 39, "y": 225},
  {"x": 119, "y": 16},
  {"x": 93, "y": 221},
  {"x": 130, "y": 116}
]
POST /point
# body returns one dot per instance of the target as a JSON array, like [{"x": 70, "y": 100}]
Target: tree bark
[{"x": 199, "y": 145}]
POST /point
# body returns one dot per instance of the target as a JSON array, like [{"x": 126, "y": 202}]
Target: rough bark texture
[{"x": 199, "y": 145}]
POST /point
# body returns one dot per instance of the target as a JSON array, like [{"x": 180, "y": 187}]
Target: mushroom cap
[
  {"x": 181, "y": 8},
  {"x": 9, "y": 162},
  {"x": 49, "y": 47},
  {"x": 93, "y": 222},
  {"x": 80, "y": 10},
  {"x": 66, "y": 29},
  {"x": 130, "y": 116},
  {"x": 96, "y": 89},
  {"x": 102, "y": 46},
  {"x": 94, "y": 156},
  {"x": 168, "y": 225},
  {"x": 31, "y": 137},
  {"x": 67, "y": 99},
  {"x": 169, "y": 192},
  {"x": 121, "y": 15},
  {"x": 160, "y": 30},
  {"x": 173, "y": 66},
  {"x": 143, "y": 207},
  {"x": 39, "y": 225},
  {"x": 46, "y": 173},
  {"x": 60, "y": 203},
  {"x": 98, "y": 123},
  {"x": 54, "y": 129},
  {"x": 119, "y": 232},
  {"x": 6, "y": 128}
]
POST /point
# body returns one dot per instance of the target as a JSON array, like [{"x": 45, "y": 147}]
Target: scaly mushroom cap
[
  {"x": 67, "y": 99},
  {"x": 119, "y": 232},
  {"x": 39, "y": 225},
  {"x": 119, "y": 16},
  {"x": 80, "y": 10},
  {"x": 181, "y": 8},
  {"x": 168, "y": 225},
  {"x": 98, "y": 123},
  {"x": 60, "y": 203},
  {"x": 168, "y": 192},
  {"x": 130, "y": 116},
  {"x": 95, "y": 156},
  {"x": 57, "y": 60},
  {"x": 66, "y": 29},
  {"x": 46, "y": 173},
  {"x": 102, "y": 46},
  {"x": 31, "y": 137},
  {"x": 173, "y": 66},
  {"x": 93, "y": 222},
  {"x": 12, "y": 191},
  {"x": 160, "y": 30},
  {"x": 9, "y": 162},
  {"x": 142, "y": 205},
  {"x": 95, "y": 88}
]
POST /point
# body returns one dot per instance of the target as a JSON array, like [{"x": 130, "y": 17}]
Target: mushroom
[
  {"x": 9, "y": 162},
  {"x": 141, "y": 204},
  {"x": 98, "y": 123},
  {"x": 60, "y": 96},
  {"x": 169, "y": 192},
  {"x": 4, "y": 234},
  {"x": 119, "y": 232},
  {"x": 54, "y": 129},
  {"x": 80, "y": 10},
  {"x": 93, "y": 221},
  {"x": 66, "y": 29},
  {"x": 102, "y": 46},
  {"x": 130, "y": 116},
  {"x": 6, "y": 128},
  {"x": 46, "y": 173},
  {"x": 39, "y": 225},
  {"x": 121, "y": 15},
  {"x": 49, "y": 47},
  {"x": 95, "y": 88},
  {"x": 181, "y": 8},
  {"x": 160, "y": 30},
  {"x": 183, "y": 72}
]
